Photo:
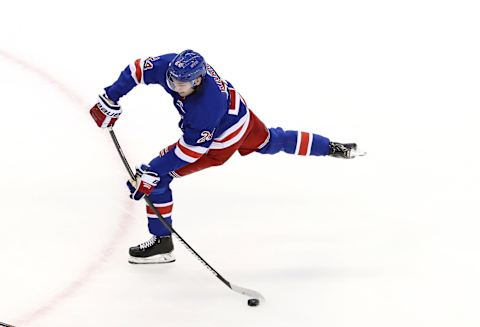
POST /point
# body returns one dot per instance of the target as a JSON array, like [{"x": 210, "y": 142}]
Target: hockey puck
[{"x": 253, "y": 302}]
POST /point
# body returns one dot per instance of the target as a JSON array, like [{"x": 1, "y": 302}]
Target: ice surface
[{"x": 390, "y": 239}]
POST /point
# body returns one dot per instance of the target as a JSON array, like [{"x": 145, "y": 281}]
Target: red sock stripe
[
  {"x": 163, "y": 210},
  {"x": 303, "y": 144},
  {"x": 138, "y": 71}
]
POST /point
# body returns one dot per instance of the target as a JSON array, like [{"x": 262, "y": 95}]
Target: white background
[{"x": 390, "y": 239}]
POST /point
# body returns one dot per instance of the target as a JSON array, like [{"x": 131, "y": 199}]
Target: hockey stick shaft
[{"x": 241, "y": 290}]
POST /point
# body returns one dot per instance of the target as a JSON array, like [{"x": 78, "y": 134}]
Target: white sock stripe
[
  {"x": 159, "y": 205},
  {"x": 310, "y": 142},
  {"x": 155, "y": 216},
  {"x": 299, "y": 139}
]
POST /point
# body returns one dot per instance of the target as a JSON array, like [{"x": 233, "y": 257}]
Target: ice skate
[
  {"x": 156, "y": 250},
  {"x": 345, "y": 150}
]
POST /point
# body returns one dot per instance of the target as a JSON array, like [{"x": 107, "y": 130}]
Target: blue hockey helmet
[{"x": 186, "y": 67}]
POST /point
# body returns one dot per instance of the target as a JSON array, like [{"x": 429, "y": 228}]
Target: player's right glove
[
  {"x": 144, "y": 183},
  {"x": 105, "y": 112}
]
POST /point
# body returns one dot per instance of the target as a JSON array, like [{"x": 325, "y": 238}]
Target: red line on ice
[{"x": 125, "y": 219}]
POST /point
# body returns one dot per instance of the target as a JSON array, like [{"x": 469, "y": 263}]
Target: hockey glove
[
  {"x": 105, "y": 112},
  {"x": 144, "y": 183}
]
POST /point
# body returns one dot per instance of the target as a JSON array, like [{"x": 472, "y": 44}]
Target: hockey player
[{"x": 216, "y": 122}]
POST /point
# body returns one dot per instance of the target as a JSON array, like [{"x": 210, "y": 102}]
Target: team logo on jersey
[
  {"x": 206, "y": 136},
  {"x": 148, "y": 63}
]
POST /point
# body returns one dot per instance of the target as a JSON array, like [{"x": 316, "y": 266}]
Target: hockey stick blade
[
  {"x": 241, "y": 290},
  {"x": 248, "y": 292}
]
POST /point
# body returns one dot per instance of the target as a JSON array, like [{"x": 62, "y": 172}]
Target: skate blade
[
  {"x": 357, "y": 153},
  {"x": 159, "y": 258}
]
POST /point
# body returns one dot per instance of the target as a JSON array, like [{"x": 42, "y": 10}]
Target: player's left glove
[{"x": 144, "y": 183}]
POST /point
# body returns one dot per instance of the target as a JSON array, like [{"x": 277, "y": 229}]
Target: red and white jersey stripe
[
  {"x": 136, "y": 69},
  {"x": 233, "y": 134},
  {"x": 189, "y": 153},
  {"x": 304, "y": 143},
  {"x": 235, "y": 99},
  {"x": 164, "y": 208}
]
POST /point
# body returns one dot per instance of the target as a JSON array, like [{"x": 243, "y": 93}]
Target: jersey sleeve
[
  {"x": 189, "y": 148},
  {"x": 195, "y": 142},
  {"x": 149, "y": 70},
  {"x": 181, "y": 155}
]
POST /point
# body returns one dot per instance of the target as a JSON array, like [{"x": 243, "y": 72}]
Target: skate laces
[{"x": 148, "y": 243}]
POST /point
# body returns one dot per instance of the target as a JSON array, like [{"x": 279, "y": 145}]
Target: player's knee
[
  {"x": 275, "y": 143},
  {"x": 280, "y": 140}
]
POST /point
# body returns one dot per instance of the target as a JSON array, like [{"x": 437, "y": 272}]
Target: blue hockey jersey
[{"x": 215, "y": 116}]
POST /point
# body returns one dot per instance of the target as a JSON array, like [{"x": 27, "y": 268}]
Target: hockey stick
[{"x": 254, "y": 297}]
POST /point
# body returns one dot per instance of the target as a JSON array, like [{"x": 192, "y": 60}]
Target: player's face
[{"x": 182, "y": 88}]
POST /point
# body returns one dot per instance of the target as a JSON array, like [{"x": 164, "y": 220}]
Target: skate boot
[
  {"x": 344, "y": 150},
  {"x": 156, "y": 250}
]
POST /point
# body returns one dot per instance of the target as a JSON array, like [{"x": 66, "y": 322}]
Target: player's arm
[
  {"x": 171, "y": 158},
  {"x": 142, "y": 71},
  {"x": 149, "y": 70},
  {"x": 193, "y": 144}
]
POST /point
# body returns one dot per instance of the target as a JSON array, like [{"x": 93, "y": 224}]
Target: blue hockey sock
[
  {"x": 156, "y": 227},
  {"x": 161, "y": 198},
  {"x": 295, "y": 142}
]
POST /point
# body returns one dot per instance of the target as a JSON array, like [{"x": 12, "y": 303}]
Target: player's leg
[
  {"x": 307, "y": 144},
  {"x": 273, "y": 140},
  {"x": 295, "y": 142},
  {"x": 160, "y": 246}
]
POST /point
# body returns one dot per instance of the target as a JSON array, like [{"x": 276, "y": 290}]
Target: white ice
[{"x": 389, "y": 239}]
